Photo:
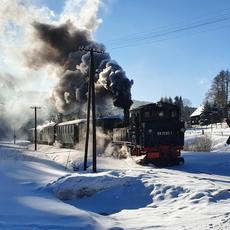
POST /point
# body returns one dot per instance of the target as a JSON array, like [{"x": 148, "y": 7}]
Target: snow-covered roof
[
  {"x": 77, "y": 121},
  {"x": 72, "y": 122},
  {"x": 49, "y": 124},
  {"x": 111, "y": 117},
  {"x": 198, "y": 111}
]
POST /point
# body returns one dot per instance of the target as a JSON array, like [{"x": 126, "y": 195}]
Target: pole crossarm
[
  {"x": 35, "y": 107},
  {"x": 91, "y": 49}
]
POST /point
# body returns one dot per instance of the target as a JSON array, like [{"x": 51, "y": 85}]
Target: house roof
[{"x": 198, "y": 111}]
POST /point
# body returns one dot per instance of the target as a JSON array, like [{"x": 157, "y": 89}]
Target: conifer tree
[{"x": 205, "y": 117}]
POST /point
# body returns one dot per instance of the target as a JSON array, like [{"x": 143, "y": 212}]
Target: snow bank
[
  {"x": 122, "y": 195},
  {"x": 79, "y": 185},
  {"x": 104, "y": 192}
]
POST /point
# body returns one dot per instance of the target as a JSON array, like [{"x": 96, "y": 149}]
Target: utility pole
[
  {"x": 227, "y": 95},
  {"x": 87, "y": 124},
  {"x": 35, "y": 125},
  {"x": 14, "y": 137},
  {"x": 91, "y": 102}
]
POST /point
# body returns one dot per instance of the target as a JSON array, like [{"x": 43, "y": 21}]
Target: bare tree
[{"x": 218, "y": 93}]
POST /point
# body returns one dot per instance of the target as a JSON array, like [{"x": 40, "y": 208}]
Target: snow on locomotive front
[{"x": 156, "y": 131}]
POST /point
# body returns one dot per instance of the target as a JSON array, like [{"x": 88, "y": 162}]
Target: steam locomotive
[{"x": 153, "y": 131}]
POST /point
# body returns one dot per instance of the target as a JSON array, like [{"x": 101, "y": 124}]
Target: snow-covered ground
[{"x": 39, "y": 190}]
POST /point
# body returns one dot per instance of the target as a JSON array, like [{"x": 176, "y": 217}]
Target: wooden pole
[
  {"x": 87, "y": 124},
  {"x": 93, "y": 112},
  {"x": 14, "y": 137},
  {"x": 91, "y": 101},
  {"x": 35, "y": 126}
]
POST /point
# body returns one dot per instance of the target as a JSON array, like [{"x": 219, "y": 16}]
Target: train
[
  {"x": 71, "y": 133},
  {"x": 154, "y": 131}
]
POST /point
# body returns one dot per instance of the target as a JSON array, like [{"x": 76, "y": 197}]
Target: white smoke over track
[{"x": 37, "y": 45}]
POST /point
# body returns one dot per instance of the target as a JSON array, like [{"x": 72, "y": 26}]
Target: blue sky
[
  {"x": 183, "y": 63},
  {"x": 168, "y": 47}
]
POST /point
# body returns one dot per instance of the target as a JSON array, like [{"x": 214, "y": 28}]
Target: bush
[{"x": 199, "y": 144}]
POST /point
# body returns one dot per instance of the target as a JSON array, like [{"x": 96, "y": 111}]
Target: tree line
[
  {"x": 184, "y": 105},
  {"x": 216, "y": 102}
]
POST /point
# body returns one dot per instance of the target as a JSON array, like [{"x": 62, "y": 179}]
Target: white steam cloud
[{"x": 38, "y": 44}]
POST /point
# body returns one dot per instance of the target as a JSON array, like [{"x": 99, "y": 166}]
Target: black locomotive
[{"x": 154, "y": 131}]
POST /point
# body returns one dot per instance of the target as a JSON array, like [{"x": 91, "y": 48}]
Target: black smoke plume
[{"x": 60, "y": 46}]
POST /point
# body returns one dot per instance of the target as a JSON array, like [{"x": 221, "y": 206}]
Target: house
[{"x": 195, "y": 116}]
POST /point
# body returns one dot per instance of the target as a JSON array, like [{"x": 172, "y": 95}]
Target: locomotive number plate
[{"x": 164, "y": 133}]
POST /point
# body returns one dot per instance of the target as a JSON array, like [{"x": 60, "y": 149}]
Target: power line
[
  {"x": 152, "y": 36},
  {"x": 168, "y": 27}
]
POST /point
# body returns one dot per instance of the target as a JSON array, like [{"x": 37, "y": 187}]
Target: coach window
[
  {"x": 173, "y": 114},
  {"x": 132, "y": 117},
  {"x": 161, "y": 114}
]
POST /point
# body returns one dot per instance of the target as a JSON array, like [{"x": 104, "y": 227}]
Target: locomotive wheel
[{"x": 180, "y": 161}]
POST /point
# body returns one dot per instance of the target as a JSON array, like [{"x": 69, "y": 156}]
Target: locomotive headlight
[{"x": 150, "y": 131}]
